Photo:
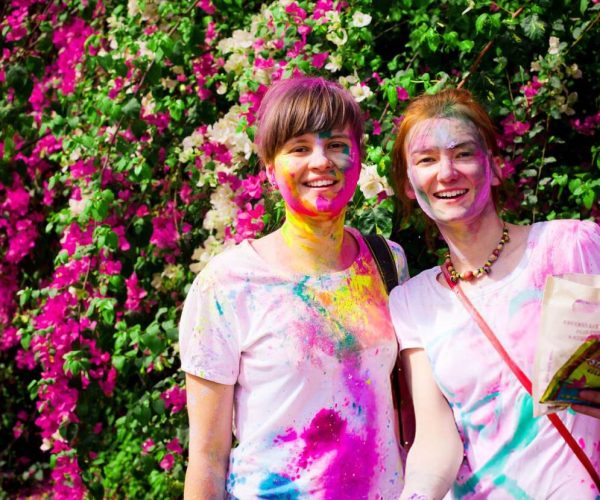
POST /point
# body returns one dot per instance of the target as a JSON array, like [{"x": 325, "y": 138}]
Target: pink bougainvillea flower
[
  {"x": 147, "y": 446},
  {"x": 164, "y": 232},
  {"x": 135, "y": 293},
  {"x": 249, "y": 222},
  {"x": 531, "y": 89},
  {"x": 16, "y": 21},
  {"x": 167, "y": 462},
  {"x": 70, "y": 40},
  {"x": 206, "y": 6},
  {"x": 318, "y": 60},
  {"x": 9, "y": 338},
  {"x": 174, "y": 399},
  {"x": 175, "y": 446},
  {"x": 402, "y": 94},
  {"x": 376, "y": 127},
  {"x": 588, "y": 125}
]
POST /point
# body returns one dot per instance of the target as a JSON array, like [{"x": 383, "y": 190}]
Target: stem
[
  {"x": 539, "y": 173},
  {"x": 587, "y": 28},
  {"x": 483, "y": 52}
]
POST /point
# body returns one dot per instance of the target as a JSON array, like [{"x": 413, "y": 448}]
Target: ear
[
  {"x": 271, "y": 175},
  {"x": 409, "y": 191},
  {"x": 496, "y": 163}
]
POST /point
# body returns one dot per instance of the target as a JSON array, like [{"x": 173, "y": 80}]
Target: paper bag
[{"x": 567, "y": 357}]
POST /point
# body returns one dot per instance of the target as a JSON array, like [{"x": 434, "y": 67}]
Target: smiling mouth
[
  {"x": 320, "y": 183},
  {"x": 450, "y": 195}
]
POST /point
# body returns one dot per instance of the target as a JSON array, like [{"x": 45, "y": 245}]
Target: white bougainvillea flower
[
  {"x": 360, "y": 92},
  {"x": 554, "y": 45},
  {"x": 360, "y": 20},
  {"x": 371, "y": 183},
  {"x": 223, "y": 211},
  {"x": 239, "y": 41},
  {"x": 226, "y": 132},
  {"x": 339, "y": 37},
  {"x": 211, "y": 247},
  {"x": 334, "y": 63}
]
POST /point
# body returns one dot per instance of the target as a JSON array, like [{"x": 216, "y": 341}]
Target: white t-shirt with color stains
[
  {"x": 310, "y": 357},
  {"x": 509, "y": 454}
]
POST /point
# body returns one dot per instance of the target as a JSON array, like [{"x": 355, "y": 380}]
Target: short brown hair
[
  {"x": 303, "y": 105},
  {"x": 448, "y": 103}
]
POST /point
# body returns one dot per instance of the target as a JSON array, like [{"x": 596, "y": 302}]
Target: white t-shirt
[
  {"x": 310, "y": 357},
  {"x": 509, "y": 454}
]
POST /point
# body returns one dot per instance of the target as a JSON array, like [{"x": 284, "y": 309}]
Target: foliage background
[{"x": 126, "y": 154}]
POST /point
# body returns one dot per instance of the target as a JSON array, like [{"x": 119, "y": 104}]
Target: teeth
[
  {"x": 319, "y": 184},
  {"x": 451, "y": 194}
]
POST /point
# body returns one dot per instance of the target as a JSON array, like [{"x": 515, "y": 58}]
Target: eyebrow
[{"x": 463, "y": 144}]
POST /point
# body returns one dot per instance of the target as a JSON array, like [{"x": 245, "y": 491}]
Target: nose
[
  {"x": 319, "y": 160},
  {"x": 446, "y": 171}
]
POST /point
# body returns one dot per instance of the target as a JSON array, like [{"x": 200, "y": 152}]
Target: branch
[{"x": 483, "y": 52}]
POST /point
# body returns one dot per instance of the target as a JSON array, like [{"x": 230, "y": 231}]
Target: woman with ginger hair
[
  {"x": 290, "y": 334},
  {"x": 446, "y": 158}
]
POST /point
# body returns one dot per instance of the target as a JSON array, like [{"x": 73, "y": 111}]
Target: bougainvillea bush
[{"x": 126, "y": 162}]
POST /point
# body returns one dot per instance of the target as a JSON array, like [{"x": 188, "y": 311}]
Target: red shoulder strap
[{"x": 524, "y": 379}]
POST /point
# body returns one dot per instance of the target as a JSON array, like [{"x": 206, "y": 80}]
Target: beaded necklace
[{"x": 480, "y": 271}]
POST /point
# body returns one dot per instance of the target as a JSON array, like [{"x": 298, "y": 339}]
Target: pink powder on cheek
[{"x": 342, "y": 197}]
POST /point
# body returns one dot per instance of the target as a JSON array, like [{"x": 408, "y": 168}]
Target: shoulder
[
  {"x": 396, "y": 250},
  {"x": 223, "y": 267},
  {"x": 414, "y": 288},
  {"x": 569, "y": 231}
]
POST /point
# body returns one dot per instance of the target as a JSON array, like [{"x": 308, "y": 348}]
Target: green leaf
[
  {"x": 588, "y": 198},
  {"x": 132, "y": 108},
  {"x": 392, "y": 96},
  {"x": 533, "y": 27},
  {"x": 583, "y": 5},
  {"x": 481, "y": 22}
]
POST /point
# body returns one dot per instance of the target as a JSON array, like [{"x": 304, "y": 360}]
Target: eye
[
  {"x": 339, "y": 146},
  {"x": 465, "y": 154},
  {"x": 298, "y": 148},
  {"x": 425, "y": 160}
]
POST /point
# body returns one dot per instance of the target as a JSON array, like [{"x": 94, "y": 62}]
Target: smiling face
[
  {"x": 450, "y": 171},
  {"x": 317, "y": 173}
]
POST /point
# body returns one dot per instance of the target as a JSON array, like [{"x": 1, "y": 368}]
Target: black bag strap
[
  {"x": 386, "y": 264},
  {"x": 382, "y": 254}
]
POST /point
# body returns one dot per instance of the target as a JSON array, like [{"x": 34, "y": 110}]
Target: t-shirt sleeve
[
  {"x": 400, "y": 258},
  {"x": 406, "y": 331},
  {"x": 208, "y": 339},
  {"x": 588, "y": 247}
]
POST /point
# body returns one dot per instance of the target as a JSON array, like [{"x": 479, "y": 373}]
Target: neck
[
  {"x": 315, "y": 244},
  {"x": 470, "y": 243}
]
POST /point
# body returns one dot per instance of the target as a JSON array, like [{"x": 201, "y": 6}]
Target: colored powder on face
[
  {"x": 277, "y": 486},
  {"x": 423, "y": 197},
  {"x": 438, "y": 133}
]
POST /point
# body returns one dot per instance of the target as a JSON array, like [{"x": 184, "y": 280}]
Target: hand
[{"x": 592, "y": 397}]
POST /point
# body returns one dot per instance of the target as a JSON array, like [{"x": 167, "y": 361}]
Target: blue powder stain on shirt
[
  {"x": 219, "y": 307},
  {"x": 276, "y": 486},
  {"x": 524, "y": 434},
  {"x": 517, "y": 303}
]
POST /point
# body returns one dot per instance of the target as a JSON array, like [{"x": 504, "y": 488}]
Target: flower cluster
[{"x": 127, "y": 162}]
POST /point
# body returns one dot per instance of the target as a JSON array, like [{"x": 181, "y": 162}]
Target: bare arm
[
  {"x": 437, "y": 451},
  {"x": 210, "y": 409}
]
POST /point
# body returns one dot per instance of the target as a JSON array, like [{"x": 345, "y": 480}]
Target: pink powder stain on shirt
[
  {"x": 350, "y": 470},
  {"x": 345, "y": 458}
]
